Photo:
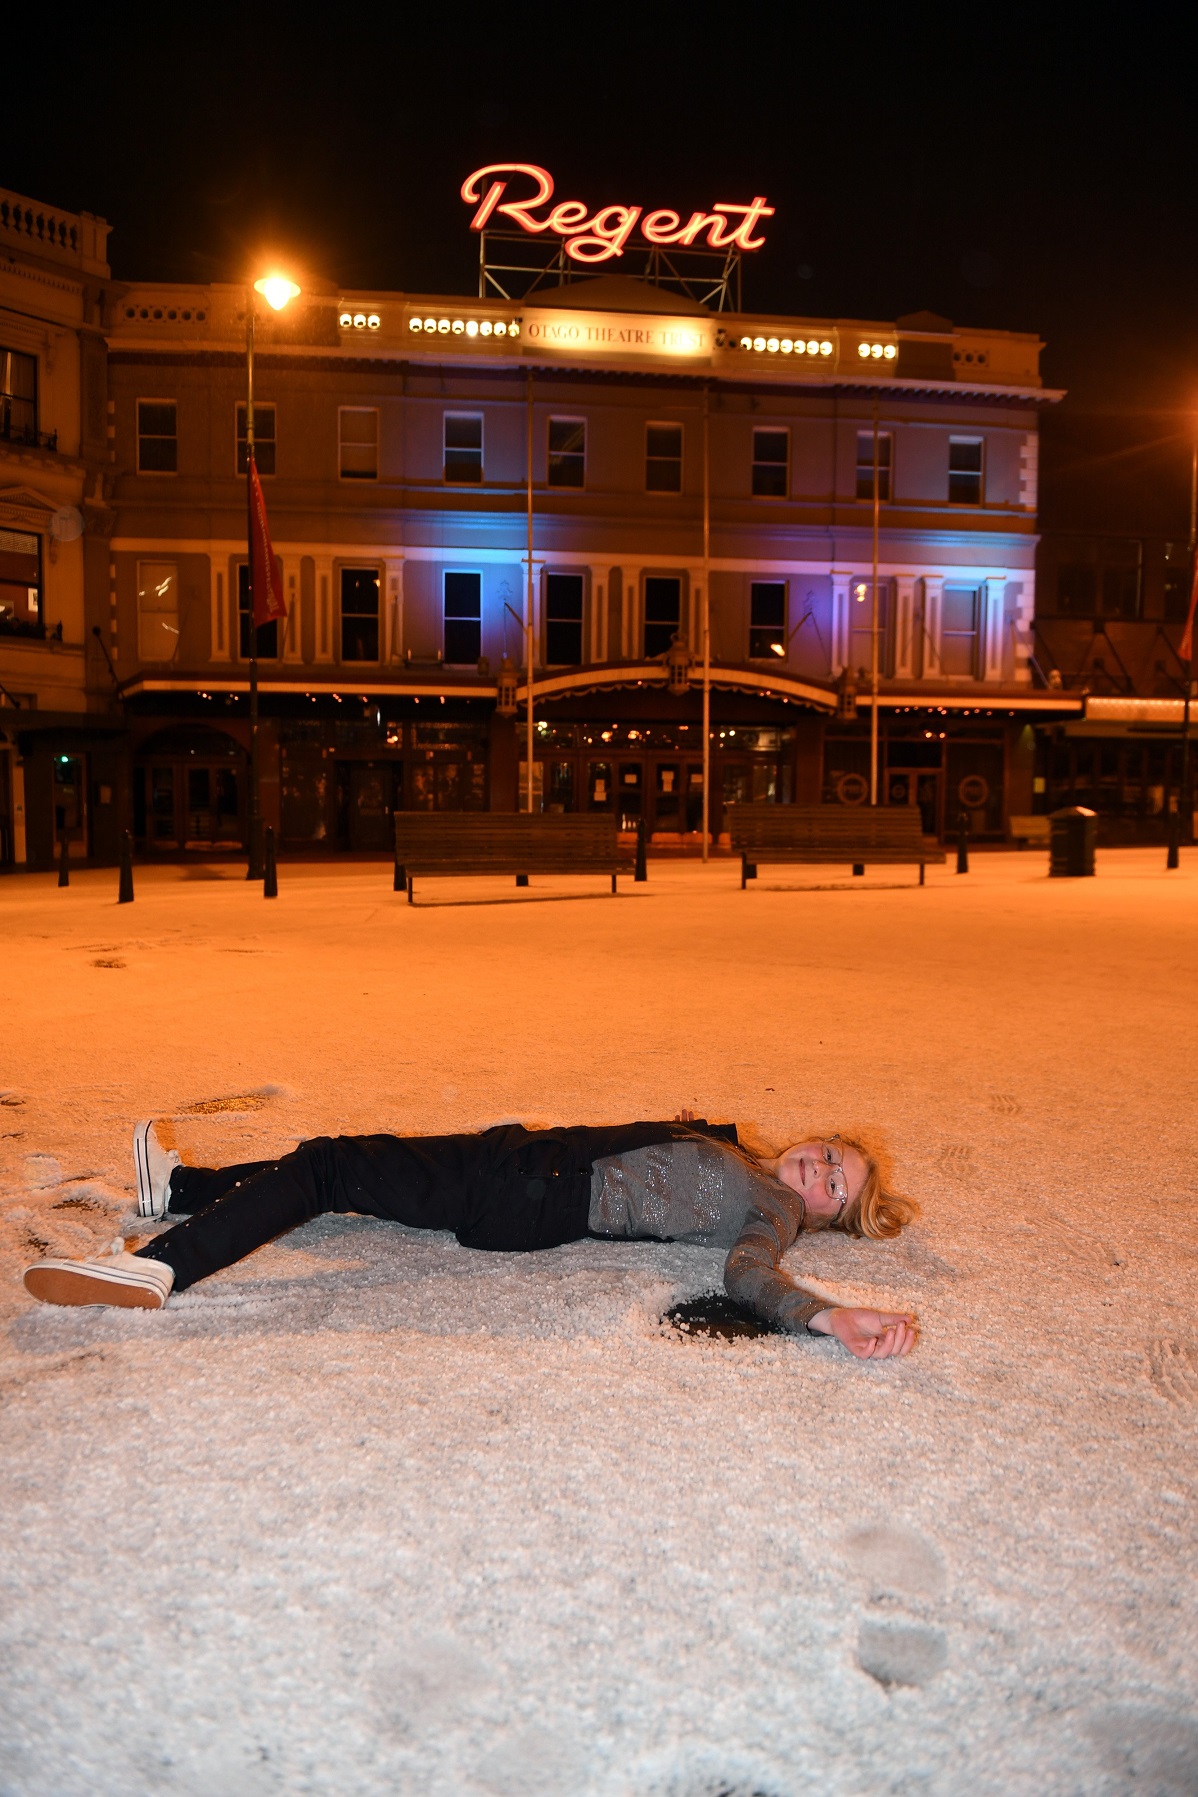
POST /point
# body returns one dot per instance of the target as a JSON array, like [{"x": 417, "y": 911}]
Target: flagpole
[{"x": 254, "y": 870}]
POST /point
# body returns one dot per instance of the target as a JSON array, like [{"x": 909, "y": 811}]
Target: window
[
  {"x": 663, "y": 612},
  {"x": 959, "y": 630},
  {"x": 965, "y": 471},
  {"x": 463, "y": 447},
  {"x": 1178, "y": 580},
  {"x": 157, "y": 610},
  {"x": 463, "y": 618},
  {"x": 359, "y": 614},
  {"x": 865, "y": 465},
  {"x": 563, "y": 619},
  {"x": 1120, "y": 592},
  {"x": 663, "y": 458},
  {"x": 262, "y": 643},
  {"x": 20, "y": 583},
  {"x": 18, "y": 397},
  {"x": 157, "y": 436},
  {"x": 358, "y": 441},
  {"x": 1077, "y": 589},
  {"x": 767, "y": 620},
  {"x": 861, "y": 627},
  {"x": 264, "y": 438},
  {"x": 771, "y": 458},
  {"x": 567, "y": 452}
]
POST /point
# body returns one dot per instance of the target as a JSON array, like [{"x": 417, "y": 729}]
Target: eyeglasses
[{"x": 832, "y": 1154}]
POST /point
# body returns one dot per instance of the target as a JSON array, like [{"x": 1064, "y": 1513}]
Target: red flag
[
  {"x": 269, "y": 602},
  {"x": 1186, "y": 646}
]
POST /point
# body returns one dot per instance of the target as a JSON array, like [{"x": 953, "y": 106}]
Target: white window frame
[
  {"x": 669, "y": 424},
  {"x": 147, "y": 400},
  {"x": 478, "y": 418},
  {"x": 572, "y": 419},
  {"x": 981, "y": 473},
  {"x": 341, "y": 444},
  {"x": 260, "y": 406},
  {"x": 776, "y": 430},
  {"x": 477, "y": 574},
  {"x": 350, "y": 565},
  {"x": 885, "y": 469}
]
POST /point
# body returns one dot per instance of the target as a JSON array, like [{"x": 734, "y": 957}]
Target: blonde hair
[{"x": 876, "y": 1213}]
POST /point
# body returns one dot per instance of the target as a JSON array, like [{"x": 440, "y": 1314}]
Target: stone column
[
  {"x": 905, "y": 625},
  {"x": 991, "y": 657},
  {"x": 933, "y": 593},
  {"x": 842, "y": 586},
  {"x": 391, "y": 598},
  {"x": 326, "y": 609},
  {"x": 596, "y": 636}
]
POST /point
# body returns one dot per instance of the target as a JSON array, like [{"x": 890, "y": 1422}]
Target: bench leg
[
  {"x": 921, "y": 873},
  {"x": 613, "y": 882},
  {"x": 858, "y": 867},
  {"x": 411, "y": 900},
  {"x": 748, "y": 870},
  {"x": 400, "y": 883},
  {"x": 522, "y": 879}
]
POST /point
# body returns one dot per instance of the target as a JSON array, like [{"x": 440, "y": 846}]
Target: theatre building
[{"x": 651, "y": 477}]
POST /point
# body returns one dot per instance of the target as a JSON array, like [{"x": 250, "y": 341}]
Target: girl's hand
[
  {"x": 869, "y": 1334},
  {"x": 684, "y": 1117}
]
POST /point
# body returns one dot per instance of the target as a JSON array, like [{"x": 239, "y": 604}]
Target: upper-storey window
[
  {"x": 960, "y": 608},
  {"x": 463, "y": 446},
  {"x": 663, "y": 458},
  {"x": 965, "y": 470},
  {"x": 865, "y": 464},
  {"x": 767, "y": 619},
  {"x": 567, "y": 452},
  {"x": 563, "y": 620},
  {"x": 359, "y": 614},
  {"x": 157, "y": 436},
  {"x": 771, "y": 463},
  {"x": 358, "y": 442},
  {"x": 663, "y": 612},
  {"x": 20, "y": 583},
  {"x": 18, "y": 397},
  {"x": 463, "y": 615},
  {"x": 264, "y": 438}
]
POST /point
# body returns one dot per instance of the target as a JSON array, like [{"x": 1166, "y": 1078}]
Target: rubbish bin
[{"x": 1071, "y": 843}]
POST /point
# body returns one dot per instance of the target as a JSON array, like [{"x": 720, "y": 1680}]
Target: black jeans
[{"x": 508, "y": 1189}]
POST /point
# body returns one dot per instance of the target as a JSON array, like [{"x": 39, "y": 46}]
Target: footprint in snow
[
  {"x": 899, "y": 1567},
  {"x": 1151, "y": 1750},
  {"x": 1173, "y": 1369}
]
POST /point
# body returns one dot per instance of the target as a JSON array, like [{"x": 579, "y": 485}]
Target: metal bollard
[
  {"x": 125, "y": 890},
  {"x": 399, "y": 878},
  {"x": 963, "y": 842},
  {"x": 64, "y": 866},
  {"x": 270, "y": 880},
  {"x": 1172, "y": 858},
  {"x": 642, "y": 872}
]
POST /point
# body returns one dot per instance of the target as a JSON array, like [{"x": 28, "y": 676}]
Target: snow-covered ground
[{"x": 373, "y": 1514}]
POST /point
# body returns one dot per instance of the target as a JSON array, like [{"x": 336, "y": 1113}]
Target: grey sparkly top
[{"x": 699, "y": 1190}]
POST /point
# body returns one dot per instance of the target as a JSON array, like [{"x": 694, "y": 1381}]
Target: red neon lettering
[
  {"x": 604, "y": 240},
  {"x": 661, "y": 227},
  {"x": 517, "y": 209},
  {"x": 603, "y": 237}
]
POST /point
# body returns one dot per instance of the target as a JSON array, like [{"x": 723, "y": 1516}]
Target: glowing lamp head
[
  {"x": 859, "y": 592},
  {"x": 778, "y": 649},
  {"x": 276, "y": 290}
]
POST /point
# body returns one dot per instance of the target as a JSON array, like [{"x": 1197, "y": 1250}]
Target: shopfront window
[
  {"x": 359, "y": 614},
  {"x": 563, "y": 620},
  {"x": 463, "y": 618},
  {"x": 263, "y": 642},
  {"x": 663, "y": 612}
]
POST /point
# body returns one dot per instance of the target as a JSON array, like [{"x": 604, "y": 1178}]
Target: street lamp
[{"x": 277, "y": 290}]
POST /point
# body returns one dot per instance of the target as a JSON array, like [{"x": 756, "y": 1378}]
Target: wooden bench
[
  {"x": 1029, "y": 832},
  {"x": 827, "y": 834},
  {"x": 498, "y": 842}
]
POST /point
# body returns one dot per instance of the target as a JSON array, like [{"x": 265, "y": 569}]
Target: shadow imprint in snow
[
  {"x": 11, "y": 1100},
  {"x": 901, "y": 1653},
  {"x": 215, "y": 1107},
  {"x": 429, "y": 1683},
  {"x": 108, "y": 961},
  {"x": 1150, "y": 1749},
  {"x": 898, "y": 1564},
  {"x": 1173, "y": 1369}
]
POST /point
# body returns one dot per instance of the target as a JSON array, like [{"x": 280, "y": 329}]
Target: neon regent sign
[{"x": 603, "y": 235}]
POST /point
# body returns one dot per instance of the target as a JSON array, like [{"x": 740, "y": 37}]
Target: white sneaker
[
  {"x": 114, "y": 1278},
  {"x": 154, "y": 1165}
]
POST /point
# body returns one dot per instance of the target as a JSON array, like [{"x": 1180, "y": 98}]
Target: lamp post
[{"x": 277, "y": 290}]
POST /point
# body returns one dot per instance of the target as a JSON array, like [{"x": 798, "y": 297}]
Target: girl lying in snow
[{"x": 516, "y": 1190}]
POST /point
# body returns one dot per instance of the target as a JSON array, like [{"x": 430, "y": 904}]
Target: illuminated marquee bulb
[
  {"x": 787, "y": 346},
  {"x": 876, "y": 351},
  {"x": 812, "y": 346},
  {"x": 472, "y": 327},
  {"x": 347, "y": 318},
  {"x": 863, "y": 349},
  {"x": 458, "y": 327},
  {"x": 746, "y": 343},
  {"x": 486, "y": 327},
  {"x": 890, "y": 352},
  {"x": 443, "y": 326},
  {"x": 500, "y": 328},
  {"x": 772, "y": 345},
  {"x": 430, "y": 324},
  {"x": 800, "y": 347},
  {"x": 759, "y": 343},
  {"x": 825, "y": 348}
]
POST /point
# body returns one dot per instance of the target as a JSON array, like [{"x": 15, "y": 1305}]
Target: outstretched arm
[{"x": 753, "y": 1277}]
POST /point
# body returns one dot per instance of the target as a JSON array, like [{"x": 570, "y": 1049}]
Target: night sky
[{"x": 1004, "y": 167}]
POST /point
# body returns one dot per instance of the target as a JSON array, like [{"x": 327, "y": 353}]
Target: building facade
[
  {"x": 641, "y": 475},
  {"x": 61, "y": 764}
]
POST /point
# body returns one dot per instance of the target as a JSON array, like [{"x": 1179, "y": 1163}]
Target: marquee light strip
[{"x": 603, "y": 235}]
